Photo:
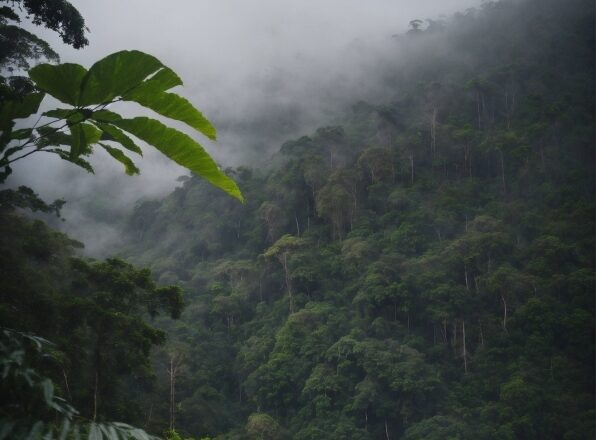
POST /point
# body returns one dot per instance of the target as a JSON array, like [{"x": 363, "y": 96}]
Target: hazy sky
[{"x": 244, "y": 63}]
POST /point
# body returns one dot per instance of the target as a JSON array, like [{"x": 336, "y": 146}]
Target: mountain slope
[{"x": 424, "y": 269}]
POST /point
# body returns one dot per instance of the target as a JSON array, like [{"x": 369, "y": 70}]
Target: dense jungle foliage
[{"x": 421, "y": 269}]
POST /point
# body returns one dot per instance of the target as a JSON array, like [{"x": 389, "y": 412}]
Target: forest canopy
[{"x": 421, "y": 267}]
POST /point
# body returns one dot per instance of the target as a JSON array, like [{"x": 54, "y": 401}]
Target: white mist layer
[{"x": 263, "y": 71}]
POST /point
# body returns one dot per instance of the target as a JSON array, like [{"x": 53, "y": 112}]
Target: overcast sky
[{"x": 244, "y": 63}]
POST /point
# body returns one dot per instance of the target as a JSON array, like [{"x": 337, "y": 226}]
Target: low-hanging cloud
[{"x": 261, "y": 70}]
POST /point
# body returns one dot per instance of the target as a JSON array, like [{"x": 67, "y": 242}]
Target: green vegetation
[
  {"x": 421, "y": 269},
  {"x": 122, "y": 76},
  {"x": 94, "y": 312}
]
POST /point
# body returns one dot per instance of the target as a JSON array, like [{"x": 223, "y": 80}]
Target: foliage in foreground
[
  {"x": 74, "y": 131},
  {"x": 97, "y": 315},
  {"x": 30, "y": 408}
]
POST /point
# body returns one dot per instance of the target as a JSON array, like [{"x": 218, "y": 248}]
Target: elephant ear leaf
[
  {"x": 172, "y": 106},
  {"x": 164, "y": 79},
  {"x": 112, "y": 133},
  {"x": 122, "y": 76},
  {"x": 62, "y": 81},
  {"x": 116, "y": 75},
  {"x": 83, "y": 136},
  {"x": 182, "y": 149},
  {"x": 129, "y": 166},
  {"x": 19, "y": 108}
]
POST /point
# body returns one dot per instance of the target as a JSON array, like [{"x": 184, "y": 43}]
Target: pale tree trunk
[
  {"x": 95, "y": 396},
  {"x": 386, "y": 429},
  {"x": 464, "y": 352},
  {"x": 444, "y": 331},
  {"x": 98, "y": 372},
  {"x": 66, "y": 384},
  {"x": 504, "y": 322},
  {"x": 175, "y": 362}
]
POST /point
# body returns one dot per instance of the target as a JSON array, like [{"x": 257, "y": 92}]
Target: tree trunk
[
  {"x": 95, "y": 396},
  {"x": 445, "y": 331},
  {"x": 97, "y": 355},
  {"x": 175, "y": 361},
  {"x": 386, "y": 429},
  {"x": 172, "y": 395},
  {"x": 504, "y": 323},
  {"x": 454, "y": 336},
  {"x": 66, "y": 384},
  {"x": 464, "y": 352}
]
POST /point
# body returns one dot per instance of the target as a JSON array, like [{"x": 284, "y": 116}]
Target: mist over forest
[
  {"x": 263, "y": 72},
  {"x": 389, "y": 233}
]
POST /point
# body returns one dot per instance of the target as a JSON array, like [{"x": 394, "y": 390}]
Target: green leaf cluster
[{"x": 73, "y": 132}]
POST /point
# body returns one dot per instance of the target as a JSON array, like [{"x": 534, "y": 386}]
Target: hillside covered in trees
[{"x": 421, "y": 269}]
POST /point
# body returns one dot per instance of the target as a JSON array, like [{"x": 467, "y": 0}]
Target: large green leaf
[
  {"x": 115, "y": 75},
  {"x": 62, "y": 81},
  {"x": 172, "y": 106},
  {"x": 23, "y": 133},
  {"x": 182, "y": 149},
  {"x": 105, "y": 116},
  {"x": 94, "y": 432},
  {"x": 83, "y": 136},
  {"x": 52, "y": 136},
  {"x": 165, "y": 79},
  {"x": 129, "y": 167},
  {"x": 19, "y": 108},
  {"x": 60, "y": 113},
  {"x": 76, "y": 160},
  {"x": 111, "y": 133}
]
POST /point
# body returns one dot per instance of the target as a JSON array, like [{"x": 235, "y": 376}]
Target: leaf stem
[{"x": 4, "y": 161}]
